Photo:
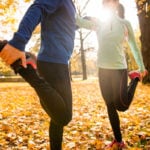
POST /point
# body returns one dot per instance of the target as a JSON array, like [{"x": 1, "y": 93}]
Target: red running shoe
[
  {"x": 31, "y": 60},
  {"x": 134, "y": 74},
  {"x": 114, "y": 145}
]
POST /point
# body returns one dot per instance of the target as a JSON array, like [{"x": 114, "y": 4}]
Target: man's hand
[{"x": 10, "y": 54}]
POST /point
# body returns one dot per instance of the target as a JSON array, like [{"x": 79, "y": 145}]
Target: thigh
[
  {"x": 105, "y": 85},
  {"x": 113, "y": 84},
  {"x": 58, "y": 76},
  {"x": 119, "y": 83}
]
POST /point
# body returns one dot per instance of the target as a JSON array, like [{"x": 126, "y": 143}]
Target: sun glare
[
  {"x": 95, "y": 9},
  {"x": 105, "y": 15}
]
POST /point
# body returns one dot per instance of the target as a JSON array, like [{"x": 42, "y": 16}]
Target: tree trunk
[
  {"x": 83, "y": 60},
  {"x": 144, "y": 21}
]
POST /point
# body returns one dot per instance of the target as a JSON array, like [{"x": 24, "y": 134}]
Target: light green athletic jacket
[{"x": 111, "y": 35}]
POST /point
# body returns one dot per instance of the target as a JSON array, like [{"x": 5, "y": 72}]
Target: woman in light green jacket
[{"x": 113, "y": 74}]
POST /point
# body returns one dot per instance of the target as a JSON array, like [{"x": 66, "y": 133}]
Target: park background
[{"x": 24, "y": 124}]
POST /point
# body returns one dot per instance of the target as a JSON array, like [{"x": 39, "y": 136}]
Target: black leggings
[
  {"x": 117, "y": 95},
  {"x": 55, "y": 96}
]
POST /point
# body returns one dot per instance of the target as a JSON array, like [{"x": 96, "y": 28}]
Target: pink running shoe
[
  {"x": 114, "y": 145},
  {"x": 31, "y": 60},
  {"x": 134, "y": 74}
]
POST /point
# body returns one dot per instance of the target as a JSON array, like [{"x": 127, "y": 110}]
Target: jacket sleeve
[
  {"x": 31, "y": 19},
  {"x": 87, "y": 22},
  {"x": 134, "y": 48}
]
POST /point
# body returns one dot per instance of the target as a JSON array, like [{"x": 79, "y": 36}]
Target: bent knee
[
  {"x": 65, "y": 119},
  {"x": 121, "y": 108}
]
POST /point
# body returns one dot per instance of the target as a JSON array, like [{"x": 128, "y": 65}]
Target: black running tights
[
  {"x": 54, "y": 90},
  {"x": 117, "y": 95}
]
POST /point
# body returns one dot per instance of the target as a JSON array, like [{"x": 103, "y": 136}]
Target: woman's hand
[{"x": 143, "y": 74}]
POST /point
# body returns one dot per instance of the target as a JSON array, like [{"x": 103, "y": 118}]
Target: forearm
[
  {"x": 84, "y": 23},
  {"x": 134, "y": 48},
  {"x": 138, "y": 57}
]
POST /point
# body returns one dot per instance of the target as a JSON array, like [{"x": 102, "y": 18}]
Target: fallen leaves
[{"x": 24, "y": 124}]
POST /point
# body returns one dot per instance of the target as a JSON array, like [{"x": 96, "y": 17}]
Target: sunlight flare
[{"x": 105, "y": 15}]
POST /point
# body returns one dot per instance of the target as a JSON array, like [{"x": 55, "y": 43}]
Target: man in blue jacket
[{"x": 57, "y": 19}]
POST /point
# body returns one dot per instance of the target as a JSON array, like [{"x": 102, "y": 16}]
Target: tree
[
  {"x": 10, "y": 13},
  {"x": 9, "y": 19},
  {"x": 143, "y": 7},
  {"x": 82, "y": 37}
]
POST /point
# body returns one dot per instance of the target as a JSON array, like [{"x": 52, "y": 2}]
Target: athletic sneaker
[
  {"x": 31, "y": 60},
  {"x": 134, "y": 75},
  {"x": 114, "y": 145}
]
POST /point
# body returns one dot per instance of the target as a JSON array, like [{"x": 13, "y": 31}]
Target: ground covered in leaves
[{"x": 24, "y": 124}]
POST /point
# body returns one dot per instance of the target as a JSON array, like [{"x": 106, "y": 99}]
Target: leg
[
  {"x": 55, "y": 136},
  {"x": 58, "y": 78},
  {"x": 120, "y": 94},
  {"x": 48, "y": 94},
  {"x": 105, "y": 82},
  {"x": 57, "y": 75},
  {"x": 114, "y": 121},
  {"x": 131, "y": 89},
  {"x": 124, "y": 97}
]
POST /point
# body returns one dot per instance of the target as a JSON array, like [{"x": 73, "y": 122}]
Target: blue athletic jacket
[{"x": 57, "y": 19}]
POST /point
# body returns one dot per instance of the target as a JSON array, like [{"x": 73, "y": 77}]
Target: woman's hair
[{"x": 121, "y": 11}]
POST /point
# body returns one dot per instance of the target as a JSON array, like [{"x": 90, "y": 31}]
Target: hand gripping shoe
[{"x": 30, "y": 59}]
